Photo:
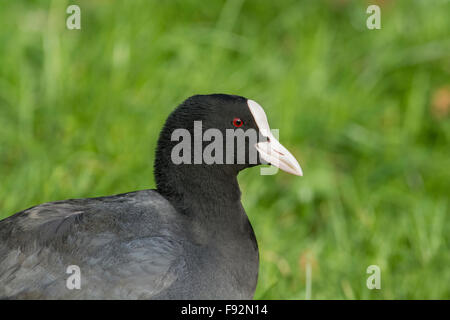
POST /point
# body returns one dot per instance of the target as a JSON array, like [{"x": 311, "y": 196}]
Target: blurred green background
[{"x": 366, "y": 113}]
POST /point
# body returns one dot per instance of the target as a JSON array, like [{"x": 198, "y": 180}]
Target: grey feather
[{"x": 111, "y": 239}]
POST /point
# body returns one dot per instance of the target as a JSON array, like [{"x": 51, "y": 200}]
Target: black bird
[{"x": 188, "y": 239}]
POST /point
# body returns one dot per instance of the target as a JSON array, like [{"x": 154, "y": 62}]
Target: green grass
[{"x": 80, "y": 113}]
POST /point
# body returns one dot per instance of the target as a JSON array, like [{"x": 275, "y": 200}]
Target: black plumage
[{"x": 188, "y": 239}]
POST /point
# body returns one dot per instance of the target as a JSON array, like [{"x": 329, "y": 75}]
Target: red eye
[{"x": 237, "y": 122}]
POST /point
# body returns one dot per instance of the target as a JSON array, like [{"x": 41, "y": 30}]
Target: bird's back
[{"x": 127, "y": 246}]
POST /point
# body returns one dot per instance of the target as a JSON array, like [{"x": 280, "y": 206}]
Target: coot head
[{"x": 219, "y": 134}]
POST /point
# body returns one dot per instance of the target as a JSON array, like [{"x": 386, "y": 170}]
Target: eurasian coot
[{"x": 188, "y": 239}]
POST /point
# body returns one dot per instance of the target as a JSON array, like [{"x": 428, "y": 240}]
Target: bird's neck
[
  {"x": 208, "y": 194},
  {"x": 191, "y": 185},
  {"x": 209, "y": 197},
  {"x": 211, "y": 202}
]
